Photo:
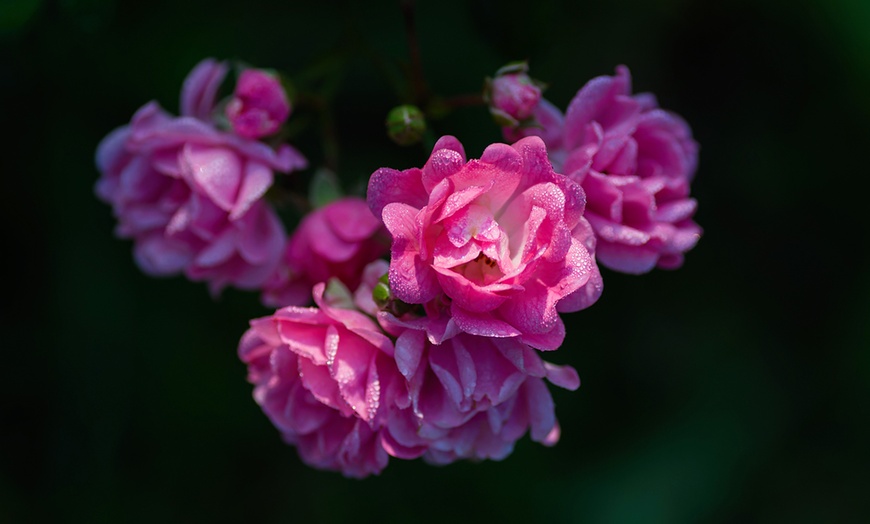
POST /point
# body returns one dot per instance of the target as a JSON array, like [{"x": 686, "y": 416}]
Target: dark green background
[{"x": 732, "y": 390}]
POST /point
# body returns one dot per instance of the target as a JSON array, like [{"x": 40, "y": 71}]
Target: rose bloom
[
  {"x": 337, "y": 240},
  {"x": 635, "y": 161},
  {"x": 190, "y": 195},
  {"x": 471, "y": 397},
  {"x": 503, "y": 238},
  {"x": 327, "y": 379}
]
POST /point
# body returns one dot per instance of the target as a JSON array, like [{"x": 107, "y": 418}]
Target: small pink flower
[
  {"x": 514, "y": 95},
  {"x": 502, "y": 237},
  {"x": 259, "y": 106},
  {"x": 326, "y": 378},
  {"x": 635, "y": 162},
  {"x": 337, "y": 240},
  {"x": 189, "y": 195}
]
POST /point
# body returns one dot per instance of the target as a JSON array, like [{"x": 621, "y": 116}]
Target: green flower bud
[{"x": 406, "y": 125}]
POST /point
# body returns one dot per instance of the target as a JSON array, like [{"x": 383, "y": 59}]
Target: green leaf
[{"x": 324, "y": 188}]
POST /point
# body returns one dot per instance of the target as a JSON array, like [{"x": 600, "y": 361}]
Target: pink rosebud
[
  {"x": 513, "y": 94},
  {"x": 503, "y": 238},
  {"x": 337, "y": 240},
  {"x": 635, "y": 162},
  {"x": 259, "y": 106},
  {"x": 190, "y": 196}
]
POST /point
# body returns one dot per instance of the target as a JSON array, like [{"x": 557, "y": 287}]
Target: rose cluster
[{"x": 409, "y": 323}]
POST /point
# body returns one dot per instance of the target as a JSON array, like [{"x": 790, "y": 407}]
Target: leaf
[{"x": 324, "y": 188}]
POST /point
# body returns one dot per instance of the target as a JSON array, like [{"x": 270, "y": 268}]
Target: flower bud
[
  {"x": 259, "y": 105},
  {"x": 512, "y": 95},
  {"x": 381, "y": 292},
  {"x": 406, "y": 125}
]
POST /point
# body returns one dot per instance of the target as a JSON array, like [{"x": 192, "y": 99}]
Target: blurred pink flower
[
  {"x": 502, "y": 237},
  {"x": 635, "y": 162},
  {"x": 189, "y": 195},
  {"x": 337, "y": 240},
  {"x": 259, "y": 105}
]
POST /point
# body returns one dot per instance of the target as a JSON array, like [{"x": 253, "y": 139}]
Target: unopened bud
[
  {"x": 512, "y": 94},
  {"x": 259, "y": 105},
  {"x": 381, "y": 295},
  {"x": 406, "y": 125}
]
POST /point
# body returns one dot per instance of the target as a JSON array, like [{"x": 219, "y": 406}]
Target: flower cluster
[
  {"x": 409, "y": 322},
  {"x": 350, "y": 386}
]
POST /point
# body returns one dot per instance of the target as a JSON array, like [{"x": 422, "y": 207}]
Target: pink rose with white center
[
  {"x": 337, "y": 240},
  {"x": 635, "y": 162},
  {"x": 259, "y": 106},
  {"x": 190, "y": 195},
  {"x": 503, "y": 238}
]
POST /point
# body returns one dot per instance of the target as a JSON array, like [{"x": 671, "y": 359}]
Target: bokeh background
[{"x": 732, "y": 390}]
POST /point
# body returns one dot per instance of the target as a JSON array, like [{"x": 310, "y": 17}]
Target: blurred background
[{"x": 736, "y": 389}]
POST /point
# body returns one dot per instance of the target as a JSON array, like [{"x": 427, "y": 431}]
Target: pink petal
[
  {"x": 676, "y": 210},
  {"x": 443, "y": 163},
  {"x": 215, "y": 171},
  {"x": 200, "y": 87},
  {"x": 631, "y": 259},
  {"x": 257, "y": 179},
  {"x": 389, "y": 185},
  {"x": 563, "y": 376},
  {"x": 482, "y": 324},
  {"x": 351, "y": 219},
  {"x": 261, "y": 241},
  {"x": 548, "y": 341}
]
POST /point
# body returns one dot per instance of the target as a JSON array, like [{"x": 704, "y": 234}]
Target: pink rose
[
  {"x": 337, "y": 240},
  {"x": 326, "y": 378},
  {"x": 189, "y": 195},
  {"x": 472, "y": 397},
  {"x": 635, "y": 162},
  {"x": 503, "y": 238},
  {"x": 259, "y": 105}
]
